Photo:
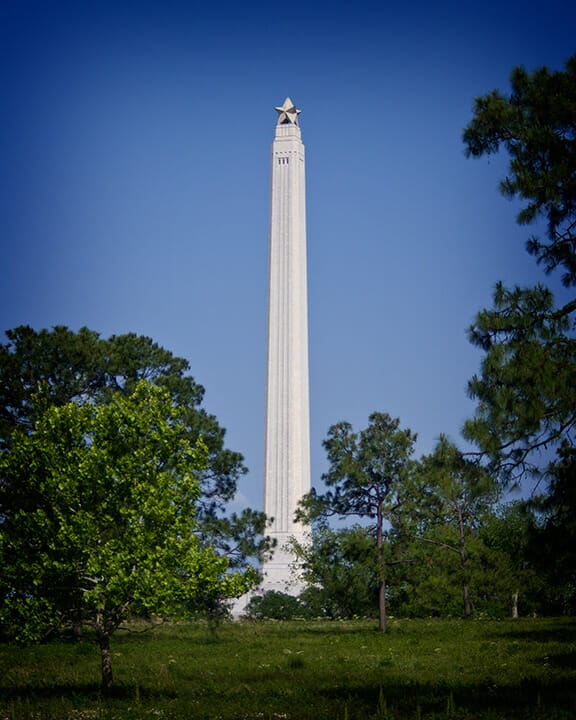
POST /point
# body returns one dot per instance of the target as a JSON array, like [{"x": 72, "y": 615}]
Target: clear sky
[{"x": 135, "y": 183}]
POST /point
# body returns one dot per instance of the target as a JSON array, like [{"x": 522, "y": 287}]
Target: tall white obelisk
[{"x": 287, "y": 452}]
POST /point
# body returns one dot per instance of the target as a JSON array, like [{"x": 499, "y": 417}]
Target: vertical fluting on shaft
[{"x": 287, "y": 447}]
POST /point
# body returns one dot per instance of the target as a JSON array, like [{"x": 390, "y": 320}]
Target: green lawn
[{"x": 305, "y": 671}]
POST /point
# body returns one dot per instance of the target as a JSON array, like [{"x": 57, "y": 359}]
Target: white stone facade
[{"x": 287, "y": 447}]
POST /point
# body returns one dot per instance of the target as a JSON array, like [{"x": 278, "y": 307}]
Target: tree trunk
[
  {"x": 103, "y": 635},
  {"x": 467, "y": 605},
  {"x": 515, "y": 604},
  {"x": 77, "y": 623},
  {"x": 106, "y": 657},
  {"x": 463, "y": 563},
  {"x": 381, "y": 572},
  {"x": 382, "y": 605}
]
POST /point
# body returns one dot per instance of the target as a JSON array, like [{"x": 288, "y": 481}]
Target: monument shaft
[{"x": 287, "y": 449}]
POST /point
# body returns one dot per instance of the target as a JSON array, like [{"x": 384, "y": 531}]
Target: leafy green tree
[
  {"x": 274, "y": 605},
  {"x": 367, "y": 471},
  {"x": 512, "y": 583},
  {"x": 39, "y": 369},
  {"x": 107, "y": 498},
  {"x": 46, "y": 368},
  {"x": 526, "y": 387},
  {"x": 450, "y": 492},
  {"x": 511, "y": 566},
  {"x": 552, "y": 542},
  {"x": 430, "y": 585},
  {"x": 429, "y": 581},
  {"x": 340, "y": 568}
]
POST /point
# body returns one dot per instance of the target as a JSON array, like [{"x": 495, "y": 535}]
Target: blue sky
[{"x": 135, "y": 182}]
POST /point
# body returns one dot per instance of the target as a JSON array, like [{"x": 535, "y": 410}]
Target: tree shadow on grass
[
  {"x": 564, "y": 631},
  {"x": 564, "y": 661},
  {"x": 507, "y": 701},
  {"x": 88, "y": 691},
  {"x": 532, "y": 699}
]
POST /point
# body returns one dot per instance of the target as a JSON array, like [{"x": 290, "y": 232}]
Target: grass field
[{"x": 305, "y": 671}]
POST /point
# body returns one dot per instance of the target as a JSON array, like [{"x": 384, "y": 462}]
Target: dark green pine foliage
[
  {"x": 552, "y": 549},
  {"x": 536, "y": 125},
  {"x": 444, "y": 504},
  {"x": 367, "y": 471},
  {"x": 526, "y": 388},
  {"x": 340, "y": 569}
]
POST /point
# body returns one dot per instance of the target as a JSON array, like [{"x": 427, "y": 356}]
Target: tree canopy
[
  {"x": 552, "y": 542},
  {"x": 444, "y": 503},
  {"x": 536, "y": 125},
  {"x": 104, "y": 522},
  {"x": 58, "y": 366},
  {"x": 366, "y": 473},
  {"x": 340, "y": 569},
  {"x": 527, "y": 382},
  {"x": 114, "y": 484},
  {"x": 40, "y": 369}
]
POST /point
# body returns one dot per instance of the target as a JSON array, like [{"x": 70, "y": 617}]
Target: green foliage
[
  {"x": 55, "y": 367},
  {"x": 518, "y": 558},
  {"x": 536, "y": 125},
  {"x": 551, "y": 545},
  {"x": 443, "y": 504},
  {"x": 274, "y": 605},
  {"x": 49, "y": 369},
  {"x": 525, "y": 389},
  {"x": 463, "y": 548},
  {"x": 340, "y": 568},
  {"x": 103, "y": 502},
  {"x": 449, "y": 489},
  {"x": 367, "y": 470},
  {"x": 526, "y": 386},
  {"x": 430, "y": 585},
  {"x": 509, "y": 571}
]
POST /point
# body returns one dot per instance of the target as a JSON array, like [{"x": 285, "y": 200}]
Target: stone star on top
[{"x": 288, "y": 113}]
